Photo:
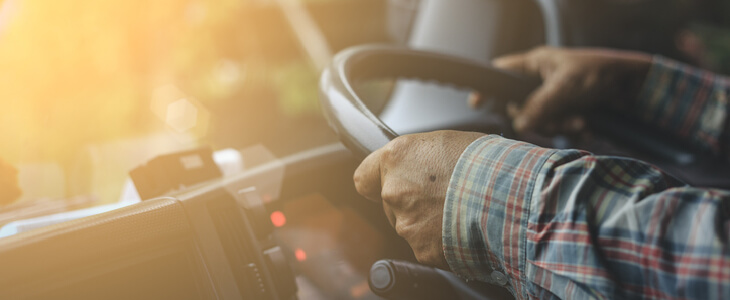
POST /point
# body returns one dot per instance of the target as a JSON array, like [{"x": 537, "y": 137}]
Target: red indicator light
[
  {"x": 300, "y": 255},
  {"x": 278, "y": 218}
]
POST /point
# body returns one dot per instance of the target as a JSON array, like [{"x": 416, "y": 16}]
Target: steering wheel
[{"x": 363, "y": 132}]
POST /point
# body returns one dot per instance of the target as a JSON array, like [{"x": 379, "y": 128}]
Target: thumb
[{"x": 368, "y": 176}]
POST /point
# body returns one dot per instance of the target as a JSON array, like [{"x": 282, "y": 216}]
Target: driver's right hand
[{"x": 575, "y": 81}]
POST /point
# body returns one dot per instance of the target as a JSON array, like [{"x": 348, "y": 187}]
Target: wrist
[{"x": 631, "y": 70}]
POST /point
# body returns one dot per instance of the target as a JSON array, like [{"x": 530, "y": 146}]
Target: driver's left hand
[{"x": 410, "y": 176}]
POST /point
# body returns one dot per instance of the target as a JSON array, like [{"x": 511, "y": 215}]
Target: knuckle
[
  {"x": 402, "y": 229},
  {"x": 400, "y": 194},
  {"x": 387, "y": 152},
  {"x": 398, "y": 143},
  {"x": 389, "y": 196},
  {"x": 359, "y": 180},
  {"x": 360, "y": 188}
]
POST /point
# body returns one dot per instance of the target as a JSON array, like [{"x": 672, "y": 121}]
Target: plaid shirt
[
  {"x": 688, "y": 103},
  {"x": 565, "y": 224}
]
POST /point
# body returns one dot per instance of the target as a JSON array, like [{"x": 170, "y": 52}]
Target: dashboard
[{"x": 316, "y": 240}]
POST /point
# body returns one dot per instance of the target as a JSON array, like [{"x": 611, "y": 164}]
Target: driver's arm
[
  {"x": 690, "y": 103},
  {"x": 686, "y": 102},
  {"x": 577, "y": 226},
  {"x": 546, "y": 222}
]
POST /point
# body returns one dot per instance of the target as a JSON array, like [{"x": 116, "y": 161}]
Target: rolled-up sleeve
[{"x": 549, "y": 223}]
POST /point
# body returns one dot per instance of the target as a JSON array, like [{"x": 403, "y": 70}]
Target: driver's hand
[
  {"x": 410, "y": 176},
  {"x": 574, "y": 82}
]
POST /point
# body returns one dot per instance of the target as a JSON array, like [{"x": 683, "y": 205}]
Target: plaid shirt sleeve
[
  {"x": 565, "y": 224},
  {"x": 689, "y": 103}
]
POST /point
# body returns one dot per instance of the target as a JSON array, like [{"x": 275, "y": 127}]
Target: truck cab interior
[{"x": 302, "y": 91}]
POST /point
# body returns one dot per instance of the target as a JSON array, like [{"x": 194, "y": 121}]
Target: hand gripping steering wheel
[{"x": 363, "y": 132}]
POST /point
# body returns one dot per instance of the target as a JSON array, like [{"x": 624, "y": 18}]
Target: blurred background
[{"x": 91, "y": 89}]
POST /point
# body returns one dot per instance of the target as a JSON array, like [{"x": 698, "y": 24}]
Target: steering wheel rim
[{"x": 363, "y": 132}]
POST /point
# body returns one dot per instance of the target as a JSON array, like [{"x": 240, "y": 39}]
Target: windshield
[{"x": 91, "y": 89}]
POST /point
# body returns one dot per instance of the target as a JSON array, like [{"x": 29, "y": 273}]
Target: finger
[
  {"x": 513, "y": 109},
  {"x": 475, "y": 100},
  {"x": 513, "y": 62},
  {"x": 541, "y": 107},
  {"x": 367, "y": 177},
  {"x": 526, "y": 63},
  {"x": 389, "y": 214}
]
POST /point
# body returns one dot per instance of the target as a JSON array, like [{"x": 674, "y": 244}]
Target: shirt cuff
[
  {"x": 487, "y": 209},
  {"x": 684, "y": 101}
]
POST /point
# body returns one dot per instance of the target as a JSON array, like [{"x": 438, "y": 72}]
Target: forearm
[
  {"x": 686, "y": 102},
  {"x": 487, "y": 210},
  {"x": 569, "y": 224}
]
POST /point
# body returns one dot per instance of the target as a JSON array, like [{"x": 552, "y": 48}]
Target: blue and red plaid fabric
[
  {"x": 689, "y": 103},
  {"x": 564, "y": 224}
]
